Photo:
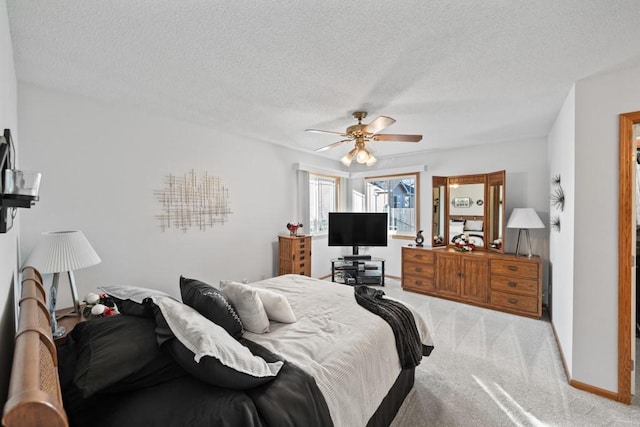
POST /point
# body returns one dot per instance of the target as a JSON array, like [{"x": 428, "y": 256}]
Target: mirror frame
[{"x": 494, "y": 208}]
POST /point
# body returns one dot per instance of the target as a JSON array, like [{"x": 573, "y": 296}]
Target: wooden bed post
[{"x": 35, "y": 398}]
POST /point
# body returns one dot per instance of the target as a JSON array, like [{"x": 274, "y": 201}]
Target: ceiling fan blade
[
  {"x": 325, "y": 131},
  {"x": 378, "y": 124},
  {"x": 395, "y": 137},
  {"x": 335, "y": 144}
]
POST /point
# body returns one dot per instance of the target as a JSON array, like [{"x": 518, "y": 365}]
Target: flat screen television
[{"x": 357, "y": 229}]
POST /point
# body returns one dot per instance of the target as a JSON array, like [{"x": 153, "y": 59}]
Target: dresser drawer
[
  {"x": 418, "y": 282},
  {"x": 301, "y": 245},
  {"x": 416, "y": 269},
  {"x": 300, "y": 256},
  {"x": 515, "y": 302},
  {"x": 514, "y": 285},
  {"x": 515, "y": 268},
  {"x": 417, "y": 256}
]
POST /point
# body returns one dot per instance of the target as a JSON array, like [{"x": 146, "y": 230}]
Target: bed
[
  {"x": 469, "y": 226},
  {"x": 339, "y": 365}
]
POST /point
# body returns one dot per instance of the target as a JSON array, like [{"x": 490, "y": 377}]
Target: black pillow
[
  {"x": 118, "y": 353},
  {"x": 212, "y": 304},
  {"x": 132, "y": 308},
  {"x": 208, "y": 369}
]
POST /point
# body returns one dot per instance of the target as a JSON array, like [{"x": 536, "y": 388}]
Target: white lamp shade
[
  {"x": 524, "y": 218},
  {"x": 60, "y": 251}
]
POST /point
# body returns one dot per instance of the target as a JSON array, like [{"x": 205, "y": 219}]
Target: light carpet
[{"x": 496, "y": 369}]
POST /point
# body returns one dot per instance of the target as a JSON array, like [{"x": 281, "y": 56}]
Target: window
[
  {"x": 323, "y": 198},
  {"x": 398, "y": 196}
]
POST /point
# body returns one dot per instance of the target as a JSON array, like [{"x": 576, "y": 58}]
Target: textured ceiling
[{"x": 458, "y": 72}]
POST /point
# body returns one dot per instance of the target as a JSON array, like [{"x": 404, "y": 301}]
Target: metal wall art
[
  {"x": 190, "y": 201},
  {"x": 557, "y": 201}
]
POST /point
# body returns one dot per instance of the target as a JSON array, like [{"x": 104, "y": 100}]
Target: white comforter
[{"x": 349, "y": 351}]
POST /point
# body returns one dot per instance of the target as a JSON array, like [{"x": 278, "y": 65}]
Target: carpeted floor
[{"x": 495, "y": 369}]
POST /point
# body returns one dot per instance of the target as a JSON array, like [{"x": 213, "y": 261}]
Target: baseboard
[
  {"x": 595, "y": 390},
  {"x": 564, "y": 361},
  {"x": 580, "y": 385}
]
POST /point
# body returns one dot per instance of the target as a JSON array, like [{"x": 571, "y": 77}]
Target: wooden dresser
[
  {"x": 493, "y": 280},
  {"x": 294, "y": 255}
]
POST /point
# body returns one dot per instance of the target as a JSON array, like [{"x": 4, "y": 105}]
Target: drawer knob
[
  {"x": 512, "y": 284},
  {"x": 513, "y": 268},
  {"x": 419, "y": 256},
  {"x": 513, "y": 300},
  {"x": 418, "y": 282},
  {"x": 418, "y": 269}
]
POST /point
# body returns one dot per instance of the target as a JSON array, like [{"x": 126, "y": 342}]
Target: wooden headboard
[{"x": 34, "y": 389}]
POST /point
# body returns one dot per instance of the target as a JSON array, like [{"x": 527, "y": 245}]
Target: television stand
[
  {"x": 356, "y": 257},
  {"x": 358, "y": 271}
]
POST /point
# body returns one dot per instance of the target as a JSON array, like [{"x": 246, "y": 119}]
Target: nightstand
[{"x": 68, "y": 319}]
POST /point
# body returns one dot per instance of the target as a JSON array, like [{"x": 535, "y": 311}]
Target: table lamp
[
  {"x": 57, "y": 252},
  {"x": 524, "y": 219}
]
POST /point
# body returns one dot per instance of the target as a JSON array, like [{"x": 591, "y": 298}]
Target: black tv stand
[
  {"x": 358, "y": 271},
  {"x": 356, "y": 257}
]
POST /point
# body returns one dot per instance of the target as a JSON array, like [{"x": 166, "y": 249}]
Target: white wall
[
  {"x": 599, "y": 101},
  {"x": 100, "y": 166},
  {"x": 8, "y": 241},
  {"x": 561, "y": 148}
]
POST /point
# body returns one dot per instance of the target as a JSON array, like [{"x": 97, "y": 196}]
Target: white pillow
[
  {"x": 276, "y": 305},
  {"x": 247, "y": 303},
  {"x": 133, "y": 293},
  {"x": 456, "y": 228},
  {"x": 204, "y": 338},
  {"x": 473, "y": 225}
]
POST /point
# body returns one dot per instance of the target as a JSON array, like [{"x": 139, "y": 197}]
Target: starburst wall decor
[
  {"x": 557, "y": 201},
  {"x": 190, "y": 201}
]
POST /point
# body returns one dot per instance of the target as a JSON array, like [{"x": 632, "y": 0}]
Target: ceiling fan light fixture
[
  {"x": 362, "y": 156},
  {"x": 348, "y": 158},
  {"x": 361, "y": 133}
]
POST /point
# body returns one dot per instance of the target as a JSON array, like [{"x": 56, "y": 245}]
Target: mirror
[
  {"x": 496, "y": 210},
  {"x": 439, "y": 221},
  {"x": 470, "y": 205}
]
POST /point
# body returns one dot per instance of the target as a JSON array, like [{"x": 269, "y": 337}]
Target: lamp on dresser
[
  {"x": 62, "y": 251},
  {"x": 524, "y": 219}
]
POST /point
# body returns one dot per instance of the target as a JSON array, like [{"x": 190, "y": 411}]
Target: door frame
[{"x": 626, "y": 262}]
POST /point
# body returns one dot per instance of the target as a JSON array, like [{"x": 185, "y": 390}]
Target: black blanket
[
  {"x": 408, "y": 342},
  {"x": 291, "y": 399}
]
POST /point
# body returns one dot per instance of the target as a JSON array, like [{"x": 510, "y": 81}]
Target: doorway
[{"x": 626, "y": 251}]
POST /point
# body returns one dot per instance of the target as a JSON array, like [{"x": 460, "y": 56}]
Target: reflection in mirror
[
  {"x": 496, "y": 211},
  {"x": 466, "y": 213},
  {"x": 439, "y": 208},
  {"x": 473, "y": 205}
]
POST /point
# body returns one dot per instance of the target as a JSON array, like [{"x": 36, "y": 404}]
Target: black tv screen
[{"x": 357, "y": 229}]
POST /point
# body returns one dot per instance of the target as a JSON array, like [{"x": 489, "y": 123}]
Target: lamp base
[
  {"x": 58, "y": 331},
  {"x": 526, "y": 231}
]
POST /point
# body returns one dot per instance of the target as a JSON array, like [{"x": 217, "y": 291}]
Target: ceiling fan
[{"x": 361, "y": 134}]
